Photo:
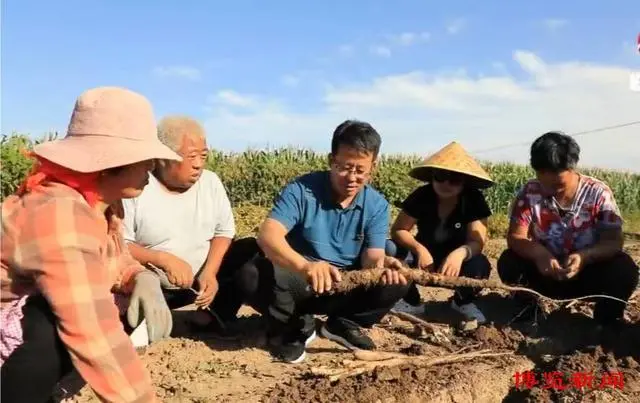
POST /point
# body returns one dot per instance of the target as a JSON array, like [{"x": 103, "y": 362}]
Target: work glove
[{"x": 147, "y": 302}]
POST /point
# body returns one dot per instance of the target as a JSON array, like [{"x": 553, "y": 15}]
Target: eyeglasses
[
  {"x": 451, "y": 177},
  {"x": 344, "y": 170}
]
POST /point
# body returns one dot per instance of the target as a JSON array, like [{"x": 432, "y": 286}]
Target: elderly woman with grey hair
[{"x": 182, "y": 227}]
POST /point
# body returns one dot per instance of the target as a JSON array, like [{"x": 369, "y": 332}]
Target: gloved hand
[{"x": 147, "y": 302}]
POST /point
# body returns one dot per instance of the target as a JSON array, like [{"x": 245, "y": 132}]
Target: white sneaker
[
  {"x": 470, "y": 311},
  {"x": 311, "y": 338}
]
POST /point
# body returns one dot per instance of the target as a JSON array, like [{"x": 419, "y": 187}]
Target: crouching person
[
  {"x": 565, "y": 238},
  {"x": 64, "y": 260},
  {"x": 451, "y": 215},
  {"x": 322, "y": 224},
  {"x": 182, "y": 228}
]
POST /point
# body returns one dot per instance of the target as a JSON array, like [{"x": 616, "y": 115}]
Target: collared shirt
[
  {"x": 442, "y": 237},
  {"x": 320, "y": 229},
  {"x": 564, "y": 231},
  {"x": 55, "y": 244}
]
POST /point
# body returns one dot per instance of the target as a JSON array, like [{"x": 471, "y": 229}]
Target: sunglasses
[{"x": 451, "y": 177}]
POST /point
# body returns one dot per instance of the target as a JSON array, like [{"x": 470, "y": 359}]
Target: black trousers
[
  {"x": 477, "y": 267},
  {"x": 616, "y": 277},
  {"x": 229, "y": 298},
  {"x": 32, "y": 371},
  {"x": 288, "y": 301}
]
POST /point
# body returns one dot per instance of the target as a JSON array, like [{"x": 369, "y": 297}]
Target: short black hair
[
  {"x": 358, "y": 135},
  {"x": 554, "y": 152}
]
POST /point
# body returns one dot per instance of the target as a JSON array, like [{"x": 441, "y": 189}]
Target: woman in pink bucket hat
[{"x": 67, "y": 278}]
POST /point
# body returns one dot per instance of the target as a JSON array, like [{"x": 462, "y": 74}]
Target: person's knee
[
  {"x": 247, "y": 246},
  {"x": 622, "y": 272},
  {"x": 390, "y": 294},
  {"x": 507, "y": 266},
  {"x": 477, "y": 267},
  {"x": 392, "y": 249},
  {"x": 247, "y": 278},
  {"x": 42, "y": 352},
  {"x": 241, "y": 251}
]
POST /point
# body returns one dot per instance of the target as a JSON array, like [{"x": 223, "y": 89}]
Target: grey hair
[{"x": 172, "y": 129}]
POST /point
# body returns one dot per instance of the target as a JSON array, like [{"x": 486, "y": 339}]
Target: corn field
[{"x": 255, "y": 177}]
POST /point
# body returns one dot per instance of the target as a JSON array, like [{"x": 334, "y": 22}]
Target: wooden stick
[
  {"x": 366, "y": 355},
  {"x": 335, "y": 374},
  {"x": 372, "y": 277},
  {"x": 434, "y": 330}
]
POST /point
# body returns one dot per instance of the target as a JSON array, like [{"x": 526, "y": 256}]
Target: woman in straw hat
[
  {"x": 64, "y": 263},
  {"x": 451, "y": 215}
]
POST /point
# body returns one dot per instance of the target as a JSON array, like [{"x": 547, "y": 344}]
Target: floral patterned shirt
[{"x": 567, "y": 230}]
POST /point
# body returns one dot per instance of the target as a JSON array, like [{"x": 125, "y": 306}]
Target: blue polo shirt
[{"x": 320, "y": 229}]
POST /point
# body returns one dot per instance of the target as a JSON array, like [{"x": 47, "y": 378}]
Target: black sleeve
[
  {"x": 476, "y": 206},
  {"x": 415, "y": 204}
]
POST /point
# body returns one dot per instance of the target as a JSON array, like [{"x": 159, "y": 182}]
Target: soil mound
[
  {"x": 484, "y": 381},
  {"x": 592, "y": 375}
]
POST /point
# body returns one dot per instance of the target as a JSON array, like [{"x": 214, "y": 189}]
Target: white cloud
[
  {"x": 186, "y": 72},
  {"x": 455, "y": 26},
  {"x": 421, "y": 111},
  {"x": 381, "y": 51},
  {"x": 553, "y": 24},
  {"x": 404, "y": 39},
  {"x": 232, "y": 98}
]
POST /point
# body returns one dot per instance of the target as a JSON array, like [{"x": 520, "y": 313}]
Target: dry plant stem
[
  {"x": 372, "y": 277},
  {"x": 335, "y": 374},
  {"x": 366, "y": 355},
  {"x": 413, "y": 319},
  {"x": 437, "y": 333}
]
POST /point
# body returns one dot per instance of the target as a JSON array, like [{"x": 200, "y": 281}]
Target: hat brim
[
  {"x": 93, "y": 153},
  {"x": 425, "y": 174}
]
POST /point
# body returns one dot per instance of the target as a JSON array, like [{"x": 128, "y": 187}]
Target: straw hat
[
  {"x": 109, "y": 127},
  {"x": 453, "y": 158}
]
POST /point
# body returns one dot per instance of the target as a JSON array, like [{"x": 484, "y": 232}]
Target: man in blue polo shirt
[{"x": 322, "y": 223}]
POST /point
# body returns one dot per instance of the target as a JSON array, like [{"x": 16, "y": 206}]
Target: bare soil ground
[{"x": 567, "y": 360}]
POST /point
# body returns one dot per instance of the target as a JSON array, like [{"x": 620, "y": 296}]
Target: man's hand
[
  {"x": 549, "y": 266},
  {"x": 390, "y": 262},
  {"x": 391, "y": 275},
  {"x": 453, "y": 263},
  {"x": 178, "y": 271},
  {"x": 424, "y": 259},
  {"x": 321, "y": 275},
  {"x": 207, "y": 288},
  {"x": 573, "y": 265}
]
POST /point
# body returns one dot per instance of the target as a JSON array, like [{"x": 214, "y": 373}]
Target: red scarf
[{"x": 46, "y": 171}]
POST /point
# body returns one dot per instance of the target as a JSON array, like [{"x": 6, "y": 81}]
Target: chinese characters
[{"x": 576, "y": 380}]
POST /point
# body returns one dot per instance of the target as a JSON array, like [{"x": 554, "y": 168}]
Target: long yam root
[
  {"x": 371, "y": 363},
  {"x": 371, "y": 277}
]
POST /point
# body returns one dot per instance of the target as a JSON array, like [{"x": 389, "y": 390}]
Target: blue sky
[{"x": 257, "y": 75}]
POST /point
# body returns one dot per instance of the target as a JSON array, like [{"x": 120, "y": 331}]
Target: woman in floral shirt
[{"x": 565, "y": 238}]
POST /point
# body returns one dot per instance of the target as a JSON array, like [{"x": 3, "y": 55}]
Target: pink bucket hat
[{"x": 109, "y": 127}]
